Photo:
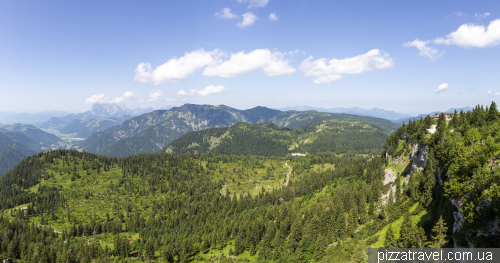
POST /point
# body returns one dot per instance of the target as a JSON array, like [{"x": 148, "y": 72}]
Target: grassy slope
[{"x": 105, "y": 200}]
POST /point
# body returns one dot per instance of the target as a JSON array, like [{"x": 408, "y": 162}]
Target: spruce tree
[
  {"x": 319, "y": 252},
  {"x": 406, "y": 233},
  {"x": 390, "y": 239},
  {"x": 439, "y": 234}
]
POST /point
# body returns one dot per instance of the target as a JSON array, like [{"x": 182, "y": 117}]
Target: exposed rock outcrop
[{"x": 419, "y": 157}]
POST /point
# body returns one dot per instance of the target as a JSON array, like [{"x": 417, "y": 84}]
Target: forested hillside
[
  {"x": 152, "y": 131},
  {"x": 17, "y": 141},
  {"x": 268, "y": 139},
  {"x": 11, "y": 153},
  {"x": 323, "y": 207},
  {"x": 465, "y": 151}
]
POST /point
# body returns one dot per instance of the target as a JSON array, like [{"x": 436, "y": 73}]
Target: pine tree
[
  {"x": 492, "y": 114},
  {"x": 406, "y": 233},
  {"x": 149, "y": 249},
  {"x": 390, "y": 239},
  {"x": 319, "y": 252},
  {"x": 439, "y": 234}
]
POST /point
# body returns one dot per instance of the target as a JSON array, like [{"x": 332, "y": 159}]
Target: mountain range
[
  {"x": 17, "y": 141},
  {"x": 30, "y": 118},
  {"x": 375, "y": 112},
  {"x": 152, "y": 131},
  {"x": 99, "y": 118},
  {"x": 451, "y": 110}
]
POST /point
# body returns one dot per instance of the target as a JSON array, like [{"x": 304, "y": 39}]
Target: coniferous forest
[{"x": 237, "y": 206}]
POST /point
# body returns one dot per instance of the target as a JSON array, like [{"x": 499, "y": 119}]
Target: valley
[{"x": 238, "y": 194}]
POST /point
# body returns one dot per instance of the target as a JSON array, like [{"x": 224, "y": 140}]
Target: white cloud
[
  {"x": 128, "y": 95},
  {"x": 471, "y": 35},
  {"x": 141, "y": 101},
  {"x": 459, "y": 92},
  {"x": 273, "y": 17},
  {"x": 272, "y": 63},
  {"x": 442, "y": 87},
  {"x": 226, "y": 14},
  {"x": 425, "y": 51},
  {"x": 167, "y": 99},
  {"x": 481, "y": 16},
  {"x": 255, "y": 3},
  {"x": 101, "y": 98},
  {"x": 95, "y": 98},
  {"x": 183, "y": 93},
  {"x": 327, "y": 79},
  {"x": 209, "y": 90},
  {"x": 493, "y": 95},
  {"x": 327, "y": 71},
  {"x": 176, "y": 69},
  {"x": 248, "y": 19},
  {"x": 457, "y": 14},
  {"x": 154, "y": 95}
]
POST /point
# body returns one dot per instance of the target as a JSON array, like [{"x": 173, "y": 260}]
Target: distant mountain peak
[{"x": 109, "y": 109}]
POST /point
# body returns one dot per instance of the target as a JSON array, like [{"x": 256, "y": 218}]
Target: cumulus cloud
[
  {"x": 226, "y": 14},
  {"x": 248, "y": 19},
  {"x": 154, "y": 95},
  {"x": 442, "y": 87},
  {"x": 272, "y": 63},
  {"x": 481, "y": 16},
  {"x": 101, "y": 98},
  {"x": 255, "y": 3},
  {"x": 327, "y": 79},
  {"x": 209, "y": 90},
  {"x": 95, "y": 98},
  {"x": 273, "y": 17},
  {"x": 176, "y": 69},
  {"x": 493, "y": 94},
  {"x": 466, "y": 36},
  {"x": 327, "y": 71},
  {"x": 471, "y": 35},
  {"x": 425, "y": 51}
]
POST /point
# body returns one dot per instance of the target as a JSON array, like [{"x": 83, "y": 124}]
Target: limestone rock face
[
  {"x": 491, "y": 228},
  {"x": 419, "y": 157}
]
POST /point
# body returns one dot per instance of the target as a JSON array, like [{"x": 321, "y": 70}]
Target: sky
[{"x": 408, "y": 56}]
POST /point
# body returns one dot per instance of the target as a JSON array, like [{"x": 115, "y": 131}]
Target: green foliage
[
  {"x": 153, "y": 131},
  {"x": 163, "y": 202},
  {"x": 439, "y": 234}
]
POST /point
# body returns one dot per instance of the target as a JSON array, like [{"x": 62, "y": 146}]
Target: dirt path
[
  {"x": 55, "y": 231},
  {"x": 390, "y": 176},
  {"x": 288, "y": 175}
]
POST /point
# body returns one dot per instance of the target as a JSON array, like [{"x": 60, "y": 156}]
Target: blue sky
[{"x": 65, "y": 55}]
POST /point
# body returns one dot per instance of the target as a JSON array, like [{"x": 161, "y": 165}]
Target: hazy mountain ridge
[
  {"x": 30, "y": 118},
  {"x": 101, "y": 117},
  {"x": 451, "y": 110},
  {"x": 375, "y": 112},
  {"x": 45, "y": 139},
  {"x": 18, "y": 141}
]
